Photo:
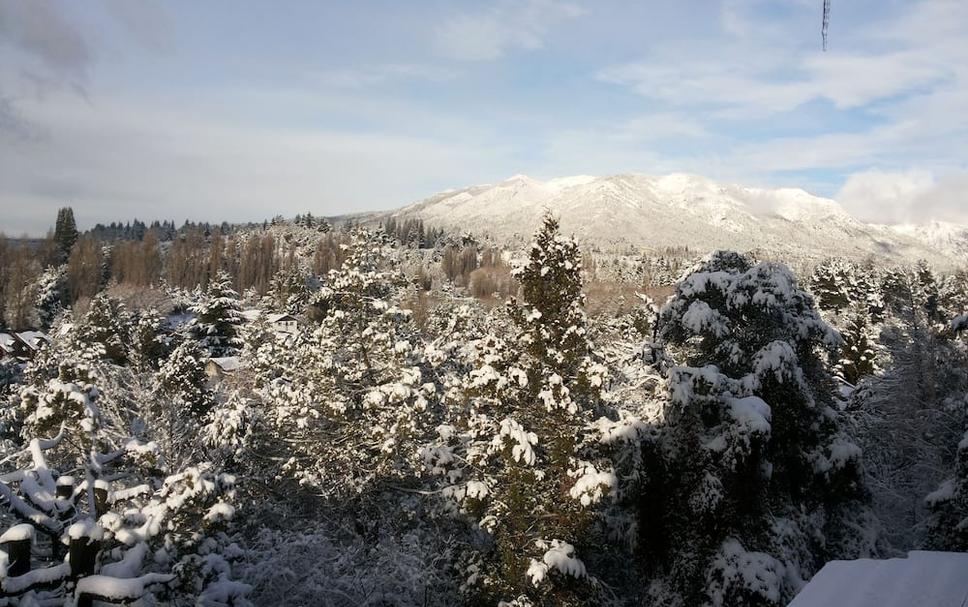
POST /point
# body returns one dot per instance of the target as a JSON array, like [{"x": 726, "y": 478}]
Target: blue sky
[{"x": 243, "y": 110}]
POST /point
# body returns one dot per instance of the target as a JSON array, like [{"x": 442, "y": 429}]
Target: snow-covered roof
[
  {"x": 939, "y": 579},
  {"x": 281, "y": 317},
  {"x": 7, "y": 342},
  {"x": 251, "y": 315},
  {"x": 227, "y": 363},
  {"x": 33, "y": 339}
]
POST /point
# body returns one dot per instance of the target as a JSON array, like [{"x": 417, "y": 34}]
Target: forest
[{"x": 320, "y": 412}]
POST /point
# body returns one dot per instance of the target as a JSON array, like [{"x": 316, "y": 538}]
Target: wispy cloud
[
  {"x": 491, "y": 33},
  {"x": 385, "y": 74},
  {"x": 256, "y": 111},
  {"x": 147, "y": 22},
  {"x": 39, "y": 29}
]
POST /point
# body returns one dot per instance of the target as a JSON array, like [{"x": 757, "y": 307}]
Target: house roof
[
  {"x": 7, "y": 342},
  {"x": 227, "y": 363},
  {"x": 938, "y": 579},
  {"x": 281, "y": 317},
  {"x": 251, "y": 315},
  {"x": 33, "y": 339}
]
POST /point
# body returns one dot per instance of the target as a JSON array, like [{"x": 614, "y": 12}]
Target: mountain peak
[{"x": 683, "y": 209}]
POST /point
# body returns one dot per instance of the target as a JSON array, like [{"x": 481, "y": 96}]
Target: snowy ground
[{"x": 936, "y": 579}]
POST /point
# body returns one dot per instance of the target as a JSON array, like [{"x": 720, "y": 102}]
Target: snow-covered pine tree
[
  {"x": 107, "y": 323},
  {"x": 65, "y": 232},
  {"x": 148, "y": 345},
  {"x": 830, "y": 285},
  {"x": 50, "y": 295},
  {"x": 757, "y": 486},
  {"x": 218, "y": 316},
  {"x": 859, "y": 352},
  {"x": 179, "y": 402},
  {"x": 348, "y": 401},
  {"x": 948, "y": 525},
  {"x": 520, "y": 452}
]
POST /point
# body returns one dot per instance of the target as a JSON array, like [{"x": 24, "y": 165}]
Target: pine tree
[
  {"x": 752, "y": 442},
  {"x": 65, "y": 232},
  {"x": 50, "y": 295},
  {"x": 520, "y": 454},
  {"x": 148, "y": 345},
  {"x": 180, "y": 402},
  {"x": 859, "y": 352},
  {"x": 218, "y": 317},
  {"x": 829, "y": 284},
  {"x": 107, "y": 323},
  {"x": 349, "y": 401}
]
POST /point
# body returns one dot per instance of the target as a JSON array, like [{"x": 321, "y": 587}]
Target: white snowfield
[
  {"x": 923, "y": 579},
  {"x": 684, "y": 210}
]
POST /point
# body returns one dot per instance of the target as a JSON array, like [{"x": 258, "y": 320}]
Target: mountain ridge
[{"x": 680, "y": 209}]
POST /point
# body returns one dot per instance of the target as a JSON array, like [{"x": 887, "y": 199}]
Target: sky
[{"x": 239, "y": 111}]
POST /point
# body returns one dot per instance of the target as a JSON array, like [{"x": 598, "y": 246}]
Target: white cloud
[
  {"x": 897, "y": 81},
  {"x": 132, "y": 158},
  {"x": 490, "y": 34},
  {"x": 914, "y": 196}
]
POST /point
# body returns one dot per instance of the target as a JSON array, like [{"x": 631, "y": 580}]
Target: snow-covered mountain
[{"x": 684, "y": 210}]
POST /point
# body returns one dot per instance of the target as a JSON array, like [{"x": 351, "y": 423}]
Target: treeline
[
  {"x": 411, "y": 232},
  {"x": 69, "y": 265}
]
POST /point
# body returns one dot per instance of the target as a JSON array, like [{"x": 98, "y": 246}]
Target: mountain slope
[{"x": 678, "y": 210}]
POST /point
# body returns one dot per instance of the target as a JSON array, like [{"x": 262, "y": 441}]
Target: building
[
  {"x": 217, "y": 368},
  {"x": 9, "y": 346},
  {"x": 34, "y": 341},
  {"x": 283, "y": 323},
  {"x": 938, "y": 579},
  {"x": 22, "y": 345}
]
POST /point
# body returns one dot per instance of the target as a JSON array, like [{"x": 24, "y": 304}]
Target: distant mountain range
[{"x": 678, "y": 210}]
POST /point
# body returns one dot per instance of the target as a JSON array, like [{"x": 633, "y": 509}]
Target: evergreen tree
[
  {"x": 71, "y": 436},
  {"x": 180, "y": 402},
  {"x": 752, "y": 444},
  {"x": 65, "y": 232},
  {"x": 218, "y": 317},
  {"x": 858, "y": 354},
  {"x": 50, "y": 295},
  {"x": 349, "y": 401},
  {"x": 521, "y": 454},
  {"x": 830, "y": 284},
  {"x": 107, "y": 323},
  {"x": 148, "y": 345}
]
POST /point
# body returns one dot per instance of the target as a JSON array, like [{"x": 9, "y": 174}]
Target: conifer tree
[
  {"x": 218, "y": 317},
  {"x": 180, "y": 401},
  {"x": 520, "y": 454},
  {"x": 752, "y": 442},
  {"x": 349, "y": 401},
  {"x": 70, "y": 436},
  {"x": 65, "y": 232},
  {"x": 50, "y": 295},
  {"x": 859, "y": 352},
  {"x": 107, "y": 323}
]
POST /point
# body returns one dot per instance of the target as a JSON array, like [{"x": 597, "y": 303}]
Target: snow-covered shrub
[{"x": 84, "y": 471}]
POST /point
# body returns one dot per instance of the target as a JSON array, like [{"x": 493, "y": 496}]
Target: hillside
[{"x": 676, "y": 210}]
